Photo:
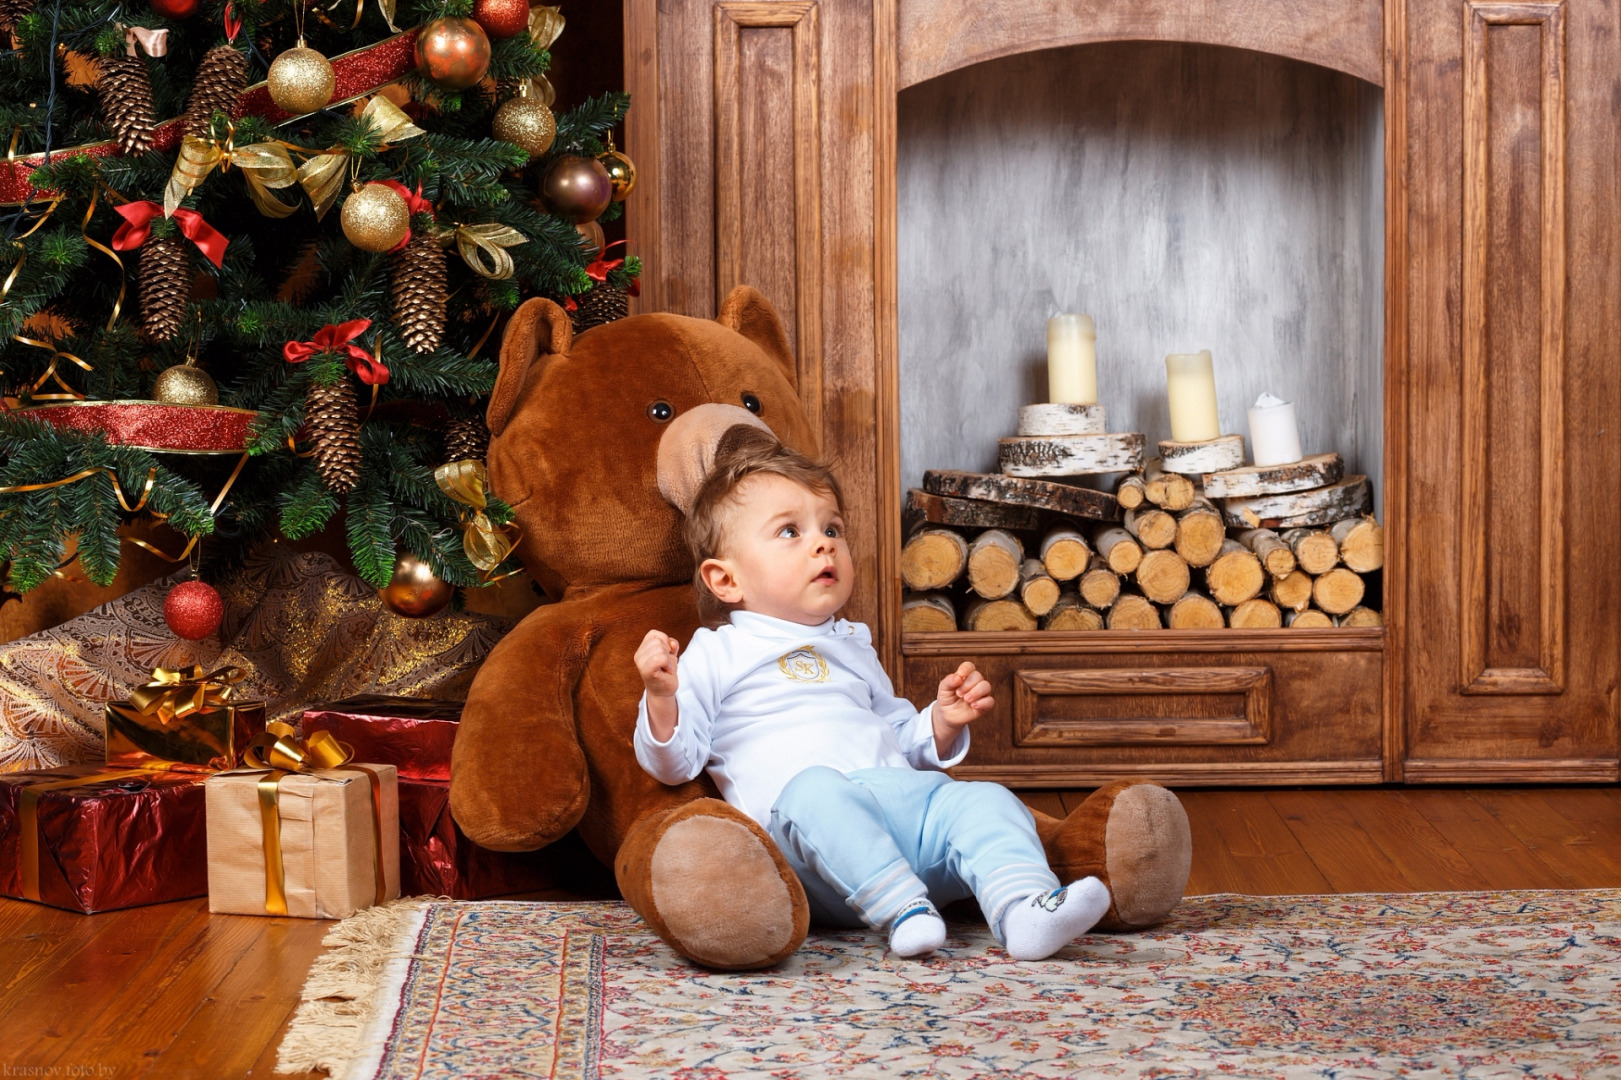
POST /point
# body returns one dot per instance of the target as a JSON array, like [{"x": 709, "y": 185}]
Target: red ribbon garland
[
  {"x": 414, "y": 203},
  {"x": 339, "y": 339},
  {"x": 138, "y": 218}
]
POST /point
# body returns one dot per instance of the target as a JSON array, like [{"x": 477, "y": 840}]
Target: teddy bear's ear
[
  {"x": 537, "y": 332},
  {"x": 752, "y": 315}
]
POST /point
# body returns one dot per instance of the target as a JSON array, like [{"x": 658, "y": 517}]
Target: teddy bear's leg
[
  {"x": 1131, "y": 835},
  {"x": 714, "y": 886}
]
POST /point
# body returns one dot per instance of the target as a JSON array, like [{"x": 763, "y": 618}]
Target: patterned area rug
[{"x": 1477, "y": 985}]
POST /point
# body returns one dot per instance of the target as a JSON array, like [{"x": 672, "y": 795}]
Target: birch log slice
[
  {"x": 1064, "y": 552},
  {"x": 1131, "y": 492},
  {"x": 982, "y": 614},
  {"x": 1167, "y": 490},
  {"x": 1099, "y": 586},
  {"x": 933, "y": 559},
  {"x": 1163, "y": 576},
  {"x": 994, "y": 559},
  {"x": 1315, "y": 550},
  {"x": 1292, "y": 593},
  {"x": 1320, "y": 506},
  {"x": 1133, "y": 612},
  {"x": 1319, "y": 470},
  {"x": 1197, "y": 458},
  {"x": 1070, "y": 455},
  {"x": 1043, "y": 420},
  {"x": 1338, "y": 591},
  {"x": 1360, "y": 617},
  {"x": 1068, "y": 499},
  {"x": 1037, "y": 588},
  {"x": 1153, "y": 528},
  {"x": 1310, "y": 619},
  {"x": 1235, "y": 576},
  {"x": 970, "y": 513},
  {"x": 1195, "y": 611},
  {"x": 1119, "y": 550},
  {"x": 927, "y": 613},
  {"x": 1071, "y": 614},
  {"x": 1277, "y": 557},
  {"x": 1362, "y": 543},
  {"x": 1255, "y": 614},
  {"x": 1200, "y": 533}
]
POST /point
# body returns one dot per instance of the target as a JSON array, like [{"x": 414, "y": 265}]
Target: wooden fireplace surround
[{"x": 765, "y": 135}]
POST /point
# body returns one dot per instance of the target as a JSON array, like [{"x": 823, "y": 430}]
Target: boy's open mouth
[{"x": 828, "y": 576}]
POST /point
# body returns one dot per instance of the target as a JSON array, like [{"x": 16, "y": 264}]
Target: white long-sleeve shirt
[{"x": 761, "y": 699}]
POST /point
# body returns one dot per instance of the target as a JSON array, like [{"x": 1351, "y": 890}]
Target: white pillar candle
[
  {"x": 1274, "y": 435},
  {"x": 1190, "y": 384},
  {"x": 1072, "y": 360}
]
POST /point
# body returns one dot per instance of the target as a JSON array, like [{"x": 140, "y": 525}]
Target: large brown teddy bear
[{"x": 596, "y": 441}]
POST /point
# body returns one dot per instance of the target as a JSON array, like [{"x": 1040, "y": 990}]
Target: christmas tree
[{"x": 295, "y": 232}]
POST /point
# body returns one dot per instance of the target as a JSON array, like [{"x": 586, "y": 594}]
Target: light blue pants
[{"x": 867, "y": 842}]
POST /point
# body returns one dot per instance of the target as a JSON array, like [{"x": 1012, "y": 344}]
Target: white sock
[
  {"x": 1038, "y": 926},
  {"x": 917, "y": 930}
]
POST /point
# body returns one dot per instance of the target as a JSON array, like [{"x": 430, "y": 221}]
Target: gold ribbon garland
[
  {"x": 478, "y": 242},
  {"x": 174, "y": 693},
  {"x": 118, "y": 491},
  {"x": 467, "y": 483},
  {"x": 266, "y": 166},
  {"x": 321, "y": 176}
]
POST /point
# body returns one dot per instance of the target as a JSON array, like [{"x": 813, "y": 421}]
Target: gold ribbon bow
[
  {"x": 467, "y": 482},
  {"x": 178, "y": 692},
  {"x": 265, "y": 166},
  {"x": 321, "y": 176},
  {"x": 476, "y": 242},
  {"x": 280, "y": 748},
  {"x": 155, "y": 42}
]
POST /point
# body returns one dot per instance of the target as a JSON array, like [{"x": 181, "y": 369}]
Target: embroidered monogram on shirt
[{"x": 804, "y": 665}]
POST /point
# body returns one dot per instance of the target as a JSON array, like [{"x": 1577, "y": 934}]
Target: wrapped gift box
[
  {"x": 183, "y": 719},
  {"x": 413, "y": 735},
  {"x": 326, "y": 840},
  {"x": 90, "y": 838},
  {"x": 437, "y": 858}
]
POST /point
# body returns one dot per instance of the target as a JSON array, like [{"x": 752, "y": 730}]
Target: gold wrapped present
[
  {"x": 183, "y": 719},
  {"x": 301, "y": 831}
]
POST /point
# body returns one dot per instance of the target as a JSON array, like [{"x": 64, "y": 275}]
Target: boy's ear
[{"x": 717, "y": 577}]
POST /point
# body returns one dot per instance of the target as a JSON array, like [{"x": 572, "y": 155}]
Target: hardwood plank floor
[{"x": 172, "y": 992}]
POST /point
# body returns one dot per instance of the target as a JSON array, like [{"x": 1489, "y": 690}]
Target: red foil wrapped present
[
  {"x": 413, "y": 735},
  {"x": 92, "y": 838}
]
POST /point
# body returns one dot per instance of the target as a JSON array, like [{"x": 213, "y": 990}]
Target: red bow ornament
[
  {"x": 340, "y": 339},
  {"x": 138, "y": 218},
  {"x": 598, "y": 272}
]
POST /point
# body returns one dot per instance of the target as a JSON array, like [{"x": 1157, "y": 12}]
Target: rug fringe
[{"x": 346, "y": 985}]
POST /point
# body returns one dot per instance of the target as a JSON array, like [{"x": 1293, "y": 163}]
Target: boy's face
[{"x": 784, "y": 554}]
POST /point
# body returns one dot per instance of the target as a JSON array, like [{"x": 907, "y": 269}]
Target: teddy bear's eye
[
  {"x": 661, "y": 411},
  {"x": 752, "y": 403}
]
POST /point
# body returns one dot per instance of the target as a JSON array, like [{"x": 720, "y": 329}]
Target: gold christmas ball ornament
[
  {"x": 184, "y": 384},
  {"x": 453, "y": 53},
  {"x": 621, "y": 172},
  {"x": 301, "y": 80},
  {"x": 526, "y": 121},
  {"x": 375, "y": 218},
  {"x": 591, "y": 233},
  {"x": 414, "y": 591},
  {"x": 577, "y": 187}
]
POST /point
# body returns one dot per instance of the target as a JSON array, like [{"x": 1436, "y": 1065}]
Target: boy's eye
[
  {"x": 788, "y": 532},
  {"x": 831, "y": 530}
]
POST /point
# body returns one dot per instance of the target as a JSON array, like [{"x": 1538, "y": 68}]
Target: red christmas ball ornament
[
  {"x": 502, "y": 18},
  {"x": 176, "y": 9},
  {"x": 193, "y": 610}
]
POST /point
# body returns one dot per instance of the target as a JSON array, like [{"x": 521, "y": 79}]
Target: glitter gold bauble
[
  {"x": 375, "y": 218},
  {"x": 591, "y": 233},
  {"x": 577, "y": 188},
  {"x": 621, "y": 172},
  {"x": 453, "y": 53},
  {"x": 414, "y": 591},
  {"x": 526, "y": 121},
  {"x": 184, "y": 384},
  {"x": 502, "y": 18},
  {"x": 301, "y": 80}
]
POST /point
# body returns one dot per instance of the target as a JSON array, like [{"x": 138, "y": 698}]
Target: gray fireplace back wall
[{"x": 1184, "y": 196}]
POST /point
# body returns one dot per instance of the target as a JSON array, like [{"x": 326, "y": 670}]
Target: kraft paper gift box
[
  {"x": 182, "y": 719},
  {"x": 319, "y": 844}
]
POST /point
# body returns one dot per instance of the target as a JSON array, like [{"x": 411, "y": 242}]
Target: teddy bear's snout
[{"x": 687, "y": 448}]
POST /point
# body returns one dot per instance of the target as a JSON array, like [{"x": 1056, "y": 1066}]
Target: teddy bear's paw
[
  {"x": 714, "y": 887},
  {"x": 1148, "y": 853}
]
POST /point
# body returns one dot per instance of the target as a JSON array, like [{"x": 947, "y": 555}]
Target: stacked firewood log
[{"x": 1164, "y": 550}]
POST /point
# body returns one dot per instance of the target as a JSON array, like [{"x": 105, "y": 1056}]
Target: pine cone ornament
[
  {"x": 420, "y": 292},
  {"x": 330, "y": 417},
  {"x": 126, "y": 101},
  {"x": 603, "y": 304},
  {"x": 220, "y": 80},
  {"x": 164, "y": 285},
  {"x": 466, "y": 439},
  {"x": 12, "y": 12}
]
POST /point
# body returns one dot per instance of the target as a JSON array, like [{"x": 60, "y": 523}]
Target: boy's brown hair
[{"x": 744, "y": 451}]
